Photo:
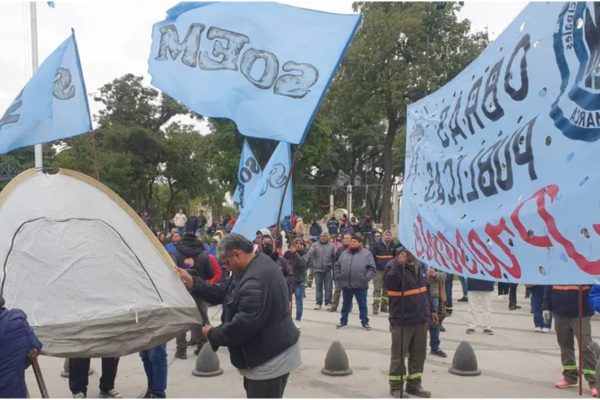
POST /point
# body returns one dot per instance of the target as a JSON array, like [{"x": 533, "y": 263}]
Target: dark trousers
[
  {"x": 414, "y": 346},
  {"x": 512, "y": 294},
  {"x": 181, "y": 341},
  {"x": 567, "y": 331},
  {"x": 78, "y": 374},
  {"x": 537, "y": 296},
  {"x": 448, "y": 283},
  {"x": 266, "y": 389},
  {"x": 502, "y": 288},
  {"x": 361, "y": 299}
]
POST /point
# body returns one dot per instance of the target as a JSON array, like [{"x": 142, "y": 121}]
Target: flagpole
[
  {"x": 287, "y": 182},
  {"x": 34, "y": 63}
]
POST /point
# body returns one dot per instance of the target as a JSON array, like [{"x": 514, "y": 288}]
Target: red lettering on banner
[
  {"x": 454, "y": 255},
  {"x": 494, "y": 231}
]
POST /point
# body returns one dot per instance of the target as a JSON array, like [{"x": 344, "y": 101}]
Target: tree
[{"x": 401, "y": 53}]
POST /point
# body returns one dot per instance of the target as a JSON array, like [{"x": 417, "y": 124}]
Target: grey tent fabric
[{"x": 92, "y": 278}]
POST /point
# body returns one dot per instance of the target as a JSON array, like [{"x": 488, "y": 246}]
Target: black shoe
[
  {"x": 340, "y": 326},
  {"x": 418, "y": 391},
  {"x": 513, "y": 307},
  {"x": 384, "y": 309},
  {"x": 332, "y": 309},
  {"x": 442, "y": 329},
  {"x": 366, "y": 327},
  {"x": 463, "y": 299},
  {"x": 439, "y": 353},
  {"x": 181, "y": 354}
]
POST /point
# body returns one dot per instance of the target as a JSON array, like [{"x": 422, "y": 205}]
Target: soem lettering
[
  {"x": 227, "y": 48},
  {"x": 250, "y": 169}
]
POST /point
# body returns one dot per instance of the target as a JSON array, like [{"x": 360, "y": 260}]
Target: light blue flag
[
  {"x": 52, "y": 105},
  {"x": 264, "y": 65},
  {"x": 249, "y": 173},
  {"x": 262, "y": 204}
]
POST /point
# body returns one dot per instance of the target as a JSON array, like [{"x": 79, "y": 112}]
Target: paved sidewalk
[{"x": 515, "y": 361}]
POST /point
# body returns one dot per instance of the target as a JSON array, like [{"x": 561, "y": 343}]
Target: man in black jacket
[
  {"x": 190, "y": 255},
  {"x": 256, "y": 324},
  {"x": 411, "y": 311},
  {"x": 295, "y": 257}
]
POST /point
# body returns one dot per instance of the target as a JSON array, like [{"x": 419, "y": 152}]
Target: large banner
[
  {"x": 264, "y": 65},
  {"x": 52, "y": 105},
  {"x": 502, "y": 177}
]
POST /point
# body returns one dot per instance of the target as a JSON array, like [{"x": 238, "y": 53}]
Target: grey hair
[{"x": 234, "y": 241}]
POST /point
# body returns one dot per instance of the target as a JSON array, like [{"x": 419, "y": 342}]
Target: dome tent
[{"x": 92, "y": 278}]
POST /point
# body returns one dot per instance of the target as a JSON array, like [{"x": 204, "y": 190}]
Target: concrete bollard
[
  {"x": 207, "y": 362},
  {"x": 464, "y": 362},
  {"x": 336, "y": 361}
]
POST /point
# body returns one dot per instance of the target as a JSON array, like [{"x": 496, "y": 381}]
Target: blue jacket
[
  {"x": 563, "y": 300},
  {"x": 409, "y": 294},
  {"x": 16, "y": 339},
  {"x": 595, "y": 297}
]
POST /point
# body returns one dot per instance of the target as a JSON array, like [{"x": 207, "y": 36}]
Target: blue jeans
[
  {"x": 463, "y": 282},
  {"x": 434, "y": 330},
  {"x": 361, "y": 299},
  {"x": 537, "y": 296},
  {"x": 323, "y": 281},
  {"x": 299, "y": 294},
  {"x": 155, "y": 365}
]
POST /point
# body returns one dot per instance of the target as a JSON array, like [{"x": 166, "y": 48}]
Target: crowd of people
[{"x": 261, "y": 287}]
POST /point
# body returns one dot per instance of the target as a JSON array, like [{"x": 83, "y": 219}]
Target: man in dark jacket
[
  {"x": 17, "y": 343},
  {"x": 267, "y": 247},
  {"x": 480, "y": 303},
  {"x": 383, "y": 252},
  {"x": 191, "y": 225},
  {"x": 333, "y": 225},
  {"x": 295, "y": 257},
  {"x": 411, "y": 310},
  {"x": 337, "y": 293},
  {"x": 256, "y": 324},
  {"x": 315, "y": 229},
  {"x": 190, "y": 255},
  {"x": 353, "y": 271},
  {"x": 562, "y": 302}
]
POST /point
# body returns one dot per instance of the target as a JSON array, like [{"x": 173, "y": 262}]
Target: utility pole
[
  {"x": 349, "y": 199},
  {"x": 39, "y": 162}
]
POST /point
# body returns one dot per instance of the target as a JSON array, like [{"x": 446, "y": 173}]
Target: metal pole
[
  {"x": 580, "y": 343},
  {"x": 402, "y": 334},
  {"x": 287, "y": 182},
  {"x": 39, "y": 162},
  {"x": 38, "y": 377},
  {"x": 349, "y": 200},
  {"x": 331, "y": 204}
]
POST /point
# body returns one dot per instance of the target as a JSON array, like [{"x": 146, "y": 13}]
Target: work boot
[
  {"x": 181, "y": 354},
  {"x": 110, "y": 394},
  {"x": 333, "y": 309},
  {"x": 398, "y": 394},
  {"x": 418, "y": 391}
]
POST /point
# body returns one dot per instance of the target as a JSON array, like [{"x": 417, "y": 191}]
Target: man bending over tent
[
  {"x": 17, "y": 342},
  {"x": 256, "y": 324}
]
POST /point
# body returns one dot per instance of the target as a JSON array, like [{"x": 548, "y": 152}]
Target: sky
[{"x": 114, "y": 37}]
